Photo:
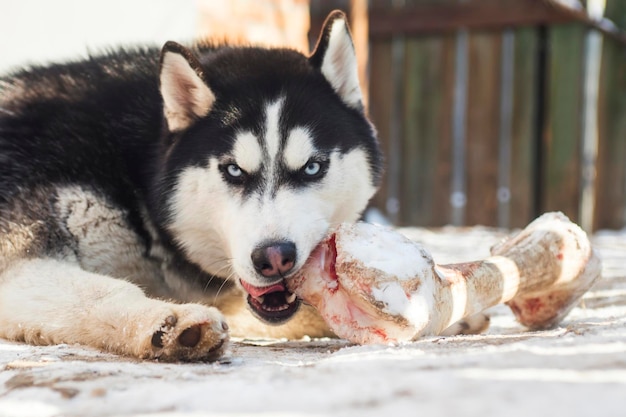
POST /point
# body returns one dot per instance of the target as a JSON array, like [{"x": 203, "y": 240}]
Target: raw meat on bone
[{"x": 373, "y": 285}]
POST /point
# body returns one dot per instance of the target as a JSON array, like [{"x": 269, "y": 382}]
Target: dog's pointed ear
[
  {"x": 186, "y": 96},
  {"x": 334, "y": 55}
]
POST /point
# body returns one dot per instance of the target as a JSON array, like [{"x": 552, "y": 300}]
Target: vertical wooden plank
[
  {"x": 394, "y": 155},
  {"x": 359, "y": 25},
  {"x": 380, "y": 87},
  {"x": 611, "y": 198},
  {"x": 562, "y": 139},
  {"x": 523, "y": 143},
  {"x": 427, "y": 128},
  {"x": 416, "y": 195},
  {"x": 441, "y": 211},
  {"x": 505, "y": 131},
  {"x": 458, "y": 183},
  {"x": 483, "y": 127},
  {"x": 423, "y": 109}
]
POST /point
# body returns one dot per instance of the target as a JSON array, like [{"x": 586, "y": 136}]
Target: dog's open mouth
[{"x": 273, "y": 304}]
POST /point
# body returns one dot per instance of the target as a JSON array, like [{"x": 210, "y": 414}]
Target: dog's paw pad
[
  {"x": 190, "y": 332},
  {"x": 190, "y": 336},
  {"x": 157, "y": 337}
]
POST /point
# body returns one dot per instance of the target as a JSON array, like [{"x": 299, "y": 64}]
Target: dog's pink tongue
[{"x": 259, "y": 291}]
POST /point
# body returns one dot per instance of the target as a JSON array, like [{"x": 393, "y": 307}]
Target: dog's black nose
[{"x": 274, "y": 259}]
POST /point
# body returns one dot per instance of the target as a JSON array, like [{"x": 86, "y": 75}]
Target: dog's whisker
[
  {"x": 227, "y": 266},
  {"x": 231, "y": 275}
]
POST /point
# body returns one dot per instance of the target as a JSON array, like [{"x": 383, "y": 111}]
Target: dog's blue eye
[
  {"x": 312, "y": 168},
  {"x": 234, "y": 171},
  {"x": 234, "y": 174}
]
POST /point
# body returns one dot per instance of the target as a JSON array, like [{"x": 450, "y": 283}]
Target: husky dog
[{"x": 147, "y": 199}]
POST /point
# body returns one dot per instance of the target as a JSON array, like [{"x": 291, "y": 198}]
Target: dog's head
[{"x": 265, "y": 150}]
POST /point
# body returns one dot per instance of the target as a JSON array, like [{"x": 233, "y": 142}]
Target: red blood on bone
[
  {"x": 381, "y": 333},
  {"x": 332, "y": 246},
  {"x": 329, "y": 264},
  {"x": 365, "y": 287},
  {"x": 532, "y": 305}
]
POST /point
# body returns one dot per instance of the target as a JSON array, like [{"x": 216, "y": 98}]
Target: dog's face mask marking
[{"x": 258, "y": 176}]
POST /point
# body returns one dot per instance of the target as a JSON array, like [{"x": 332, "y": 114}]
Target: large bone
[{"x": 373, "y": 285}]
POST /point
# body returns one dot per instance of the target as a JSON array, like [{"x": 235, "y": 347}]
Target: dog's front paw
[{"x": 187, "y": 332}]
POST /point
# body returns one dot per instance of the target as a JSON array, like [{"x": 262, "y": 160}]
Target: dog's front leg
[{"x": 44, "y": 301}]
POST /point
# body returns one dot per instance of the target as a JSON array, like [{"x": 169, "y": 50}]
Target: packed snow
[{"x": 576, "y": 369}]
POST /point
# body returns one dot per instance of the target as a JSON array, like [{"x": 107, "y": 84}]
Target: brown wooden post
[
  {"x": 611, "y": 196},
  {"x": 563, "y": 130},
  {"x": 258, "y": 22},
  {"x": 359, "y": 24}
]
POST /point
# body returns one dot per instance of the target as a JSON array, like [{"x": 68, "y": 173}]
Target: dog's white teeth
[
  {"x": 260, "y": 299},
  {"x": 290, "y": 298}
]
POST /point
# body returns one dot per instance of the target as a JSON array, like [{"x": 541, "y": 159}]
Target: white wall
[{"x": 36, "y": 31}]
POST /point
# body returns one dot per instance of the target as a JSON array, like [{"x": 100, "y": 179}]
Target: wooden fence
[{"x": 482, "y": 110}]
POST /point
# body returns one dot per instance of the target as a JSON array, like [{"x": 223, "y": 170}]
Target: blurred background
[{"x": 489, "y": 111}]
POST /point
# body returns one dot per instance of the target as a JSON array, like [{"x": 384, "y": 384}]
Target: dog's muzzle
[{"x": 273, "y": 304}]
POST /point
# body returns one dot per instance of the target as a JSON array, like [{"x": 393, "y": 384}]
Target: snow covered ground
[{"x": 578, "y": 369}]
